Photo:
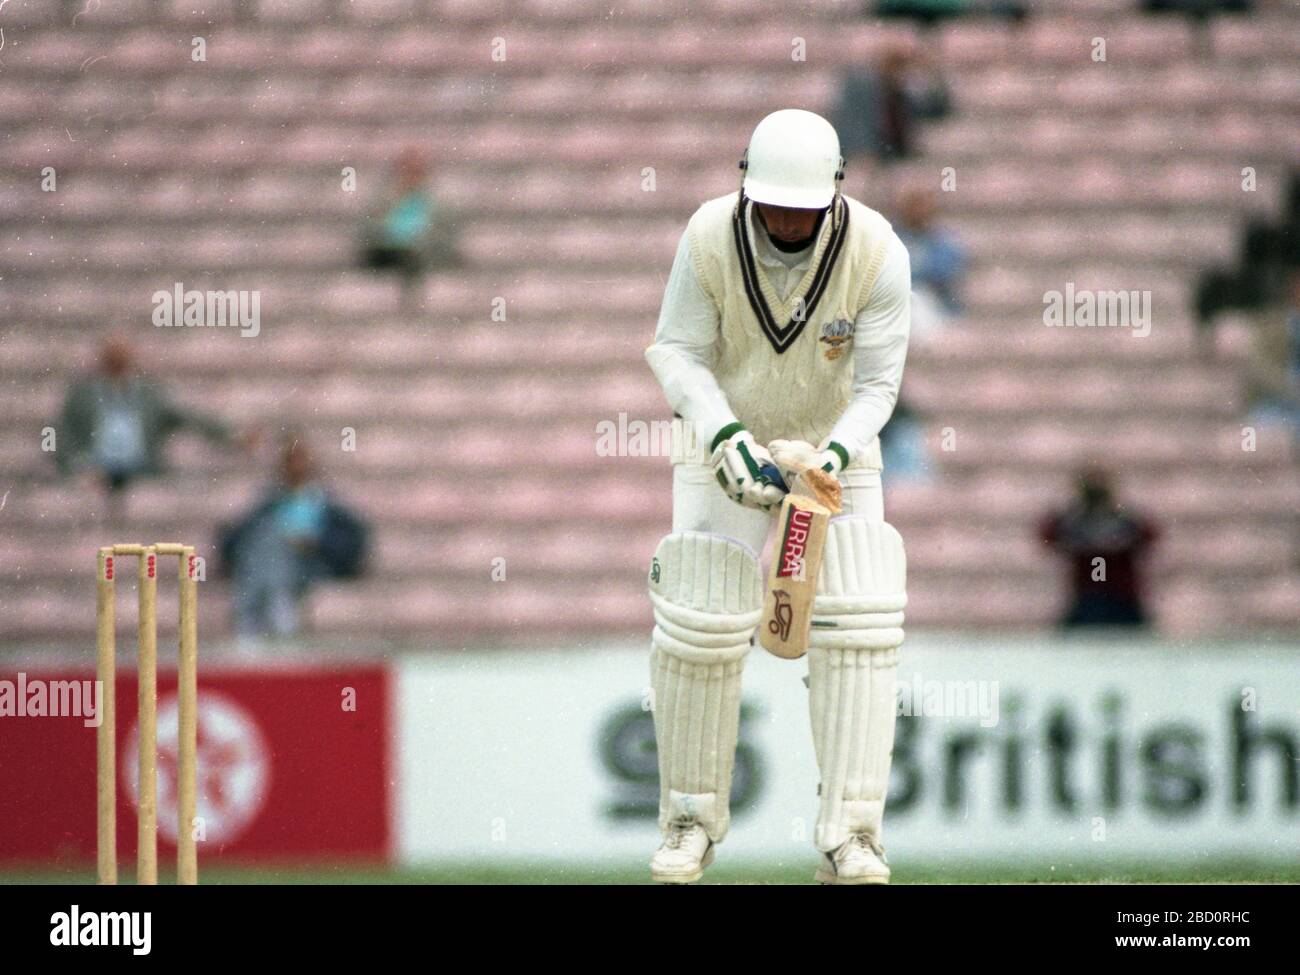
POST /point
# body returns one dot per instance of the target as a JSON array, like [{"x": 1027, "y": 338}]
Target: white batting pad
[
  {"x": 852, "y": 666},
  {"x": 707, "y": 593},
  {"x": 708, "y": 597},
  {"x": 862, "y": 587}
]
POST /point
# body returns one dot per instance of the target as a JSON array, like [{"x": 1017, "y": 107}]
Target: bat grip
[{"x": 773, "y": 473}]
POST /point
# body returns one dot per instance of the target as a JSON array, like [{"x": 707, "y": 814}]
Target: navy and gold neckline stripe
[{"x": 782, "y": 337}]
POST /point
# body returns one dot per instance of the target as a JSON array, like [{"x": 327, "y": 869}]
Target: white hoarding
[{"x": 1039, "y": 748}]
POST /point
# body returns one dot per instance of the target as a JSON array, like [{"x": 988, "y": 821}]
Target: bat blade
[{"x": 792, "y": 577}]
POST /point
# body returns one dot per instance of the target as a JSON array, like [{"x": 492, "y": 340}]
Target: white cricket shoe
[
  {"x": 860, "y": 860},
  {"x": 685, "y": 852}
]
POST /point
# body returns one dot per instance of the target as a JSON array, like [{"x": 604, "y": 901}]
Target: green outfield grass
[{"x": 1212, "y": 872}]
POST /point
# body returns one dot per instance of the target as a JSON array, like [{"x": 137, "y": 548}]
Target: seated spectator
[
  {"x": 877, "y": 111},
  {"x": 1270, "y": 250},
  {"x": 903, "y": 448},
  {"x": 1217, "y": 290},
  {"x": 407, "y": 230},
  {"x": 930, "y": 12},
  {"x": 1104, "y": 546},
  {"x": 938, "y": 262},
  {"x": 1273, "y": 368},
  {"x": 298, "y": 534},
  {"x": 116, "y": 422},
  {"x": 1197, "y": 9}
]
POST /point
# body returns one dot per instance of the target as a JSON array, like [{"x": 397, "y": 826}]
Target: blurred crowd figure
[
  {"x": 1260, "y": 273},
  {"x": 1105, "y": 546},
  {"x": 114, "y": 430},
  {"x": 929, "y": 12},
  {"x": 1273, "y": 364},
  {"x": 1198, "y": 9},
  {"x": 295, "y": 536},
  {"x": 878, "y": 113},
  {"x": 878, "y": 110},
  {"x": 115, "y": 424},
  {"x": 407, "y": 231},
  {"x": 903, "y": 447},
  {"x": 938, "y": 261}
]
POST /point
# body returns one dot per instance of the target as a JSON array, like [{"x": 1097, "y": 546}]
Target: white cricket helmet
[{"x": 793, "y": 160}]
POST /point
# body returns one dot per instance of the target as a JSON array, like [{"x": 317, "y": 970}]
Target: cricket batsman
[{"x": 780, "y": 345}]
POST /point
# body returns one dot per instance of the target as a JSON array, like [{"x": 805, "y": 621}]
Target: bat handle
[{"x": 773, "y": 473}]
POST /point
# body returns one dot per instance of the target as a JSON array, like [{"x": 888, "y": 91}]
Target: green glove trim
[
  {"x": 839, "y": 451},
  {"x": 726, "y": 433}
]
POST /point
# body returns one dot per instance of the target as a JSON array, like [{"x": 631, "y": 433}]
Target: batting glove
[
  {"x": 738, "y": 463},
  {"x": 792, "y": 457}
]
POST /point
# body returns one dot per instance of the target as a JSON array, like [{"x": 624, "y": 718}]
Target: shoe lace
[
  {"x": 868, "y": 842},
  {"x": 678, "y": 830}
]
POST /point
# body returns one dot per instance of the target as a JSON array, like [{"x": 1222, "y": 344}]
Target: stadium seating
[{"x": 476, "y": 438}]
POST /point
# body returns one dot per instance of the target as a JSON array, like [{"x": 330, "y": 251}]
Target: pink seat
[
  {"x": 126, "y": 12},
  {"x": 1255, "y": 39},
  {"x": 458, "y": 12},
  {"x": 367, "y": 12},
  {"x": 972, "y": 43},
  {"x": 144, "y": 52},
  {"x": 292, "y": 11},
  {"x": 201, "y": 12}
]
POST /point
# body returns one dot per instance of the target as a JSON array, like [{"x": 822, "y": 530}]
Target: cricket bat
[{"x": 792, "y": 578}]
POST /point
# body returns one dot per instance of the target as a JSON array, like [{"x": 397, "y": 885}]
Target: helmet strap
[{"x": 740, "y": 197}]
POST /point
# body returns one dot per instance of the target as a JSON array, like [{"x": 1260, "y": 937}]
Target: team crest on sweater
[{"x": 837, "y": 335}]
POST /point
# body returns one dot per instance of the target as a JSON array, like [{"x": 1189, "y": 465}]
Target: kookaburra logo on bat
[
  {"x": 793, "y": 545},
  {"x": 782, "y": 615}
]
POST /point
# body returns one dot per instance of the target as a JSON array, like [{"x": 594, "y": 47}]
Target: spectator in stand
[
  {"x": 297, "y": 535},
  {"x": 1105, "y": 547},
  {"x": 1273, "y": 368},
  {"x": 407, "y": 230},
  {"x": 903, "y": 449},
  {"x": 877, "y": 111},
  {"x": 1197, "y": 9},
  {"x": 116, "y": 422},
  {"x": 930, "y": 12},
  {"x": 938, "y": 261}
]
